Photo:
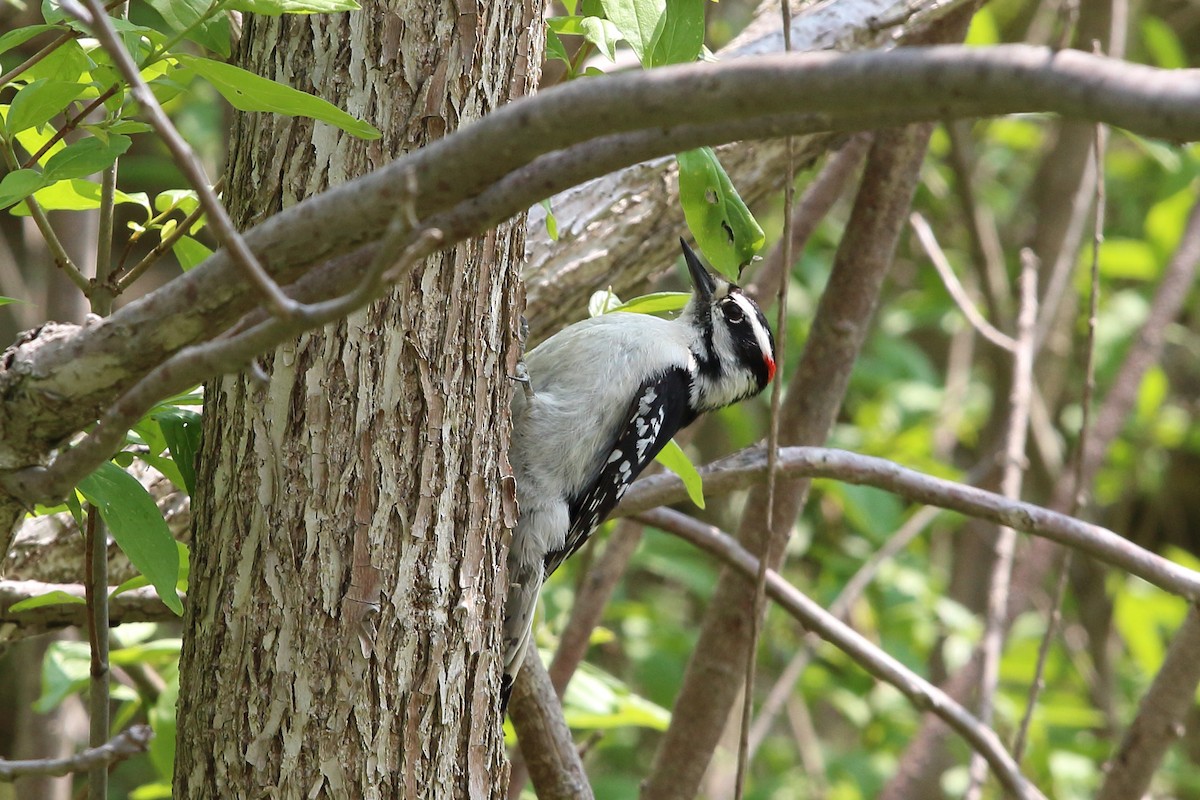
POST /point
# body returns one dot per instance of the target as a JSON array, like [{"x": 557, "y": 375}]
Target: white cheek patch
[{"x": 760, "y": 333}]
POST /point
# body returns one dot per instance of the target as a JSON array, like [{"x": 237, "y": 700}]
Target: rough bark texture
[{"x": 342, "y": 634}]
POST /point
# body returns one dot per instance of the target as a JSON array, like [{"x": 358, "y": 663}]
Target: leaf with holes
[{"x": 718, "y": 218}]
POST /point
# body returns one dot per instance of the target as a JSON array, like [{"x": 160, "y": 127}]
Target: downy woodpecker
[{"x": 607, "y": 394}]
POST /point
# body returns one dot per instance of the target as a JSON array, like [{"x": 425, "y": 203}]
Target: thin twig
[
  {"x": 131, "y": 742},
  {"x": 280, "y": 304},
  {"x": 61, "y": 259},
  {"x": 981, "y": 223},
  {"x": 767, "y": 557},
  {"x": 96, "y": 583},
  {"x": 923, "y": 695},
  {"x": 1079, "y": 496},
  {"x": 749, "y": 467},
  {"x": 812, "y": 207},
  {"x": 1016, "y": 436},
  {"x": 954, "y": 287}
]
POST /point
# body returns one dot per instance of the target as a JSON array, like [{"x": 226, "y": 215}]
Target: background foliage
[{"x": 911, "y": 400}]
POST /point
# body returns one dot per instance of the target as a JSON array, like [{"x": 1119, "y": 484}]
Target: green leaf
[
  {"x": 86, "y": 157},
  {"x": 189, "y": 252},
  {"x": 1129, "y": 259},
  {"x": 602, "y": 33},
  {"x": 192, "y": 18},
  {"x": 66, "y": 64},
  {"x": 1166, "y": 220},
  {"x": 54, "y": 598},
  {"x": 673, "y": 458},
  {"x": 273, "y": 8},
  {"x": 38, "y": 102},
  {"x": 682, "y": 35},
  {"x": 181, "y": 428},
  {"x": 246, "y": 91},
  {"x": 551, "y": 222},
  {"x": 137, "y": 527},
  {"x": 655, "y": 303},
  {"x": 1163, "y": 44},
  {"x": 6, "y": 300},
  {"x": 162, "y": 721},
  {"x": 20, "y": 36},
  {"x": 640, "y": 23},
  {"x": 596, "y": 699},
  {"x": 718, "y": 218},
  {"x": 555, "y": 51},
  {"x": 65, "y": 670},
  {"x": 76, "y": 194},
  {"x": 18, "y": 185},
  {"x": 186, "y": 200}
]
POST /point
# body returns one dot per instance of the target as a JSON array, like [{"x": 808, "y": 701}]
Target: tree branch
[
  {"x": 923, "y": 695},
  {"x": 135, "y": 605},
  {"x": 550, "y": 755},
  {"x": 128, "y": 743},
  {"x": 757, "y": 94},
  {"x": 741, "y": 470}
]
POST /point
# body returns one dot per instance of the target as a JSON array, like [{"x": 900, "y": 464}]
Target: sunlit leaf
[
  {"x": 655, "y": 303},
  {"x": 76, "y": 194},
  {"x": 682, "y": 34},
  {"x": 189, "y": 252},
  {"x": 52, "y": 598},
  {"x": 190, "y": 16},
  {"x": 86, "y": 157},
  {"x": 66, "y": 669},
  {"x": 35, "y": 104},
  {"x": 673, "y": 458},
  {"x": 19, "y": 184},
  {"x": 603, "y": 302},
  {"x": 640, "y": 23}
]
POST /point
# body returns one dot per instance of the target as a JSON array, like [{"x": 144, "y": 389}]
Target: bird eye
[{"x": 734, "y": 313}]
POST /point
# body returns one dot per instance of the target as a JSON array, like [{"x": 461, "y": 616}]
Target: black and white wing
[{"x": 659, "y": 410}]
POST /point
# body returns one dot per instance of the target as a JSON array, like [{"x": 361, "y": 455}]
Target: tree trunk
[{"x": 342, "y": 635}]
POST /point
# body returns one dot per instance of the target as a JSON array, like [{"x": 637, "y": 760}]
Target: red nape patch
[{"x": 770, "y": 369}]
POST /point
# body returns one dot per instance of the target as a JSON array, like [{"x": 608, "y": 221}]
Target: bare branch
[
  {"x": 749, "y": 467},
  {"x": 946, "y": 272},
  {"x": 1020, "y": 399},
  {"x": 132, "y": 742},
  {"x": 923, "y": 695},
  {"x": 550, "y": 755},
  {"x": 1159, "y": 720}
]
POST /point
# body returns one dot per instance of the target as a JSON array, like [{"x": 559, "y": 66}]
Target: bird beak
[{"x": 704, "y": 283}]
